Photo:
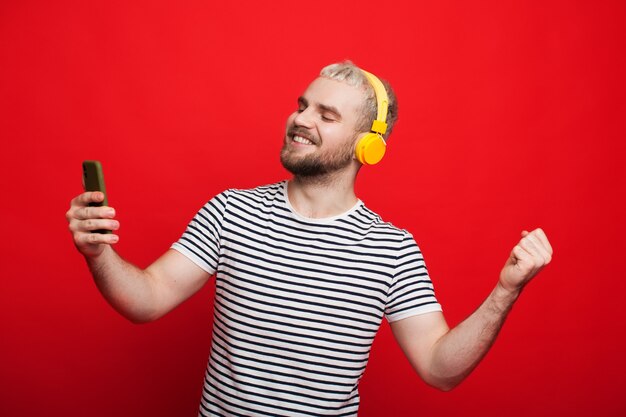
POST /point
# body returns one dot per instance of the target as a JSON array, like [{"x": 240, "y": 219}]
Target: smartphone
[{"x": 93, "y": 180}]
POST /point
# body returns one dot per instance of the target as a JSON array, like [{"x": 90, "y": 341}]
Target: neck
[{"x": 320, "y": 197}]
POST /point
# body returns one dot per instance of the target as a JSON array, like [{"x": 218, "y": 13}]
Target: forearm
[
  {"x": 139, "y": 295},
  {"x": 457, "y": 353},
  {"x": 128, "y": 289},
  {"x": 444, "y": 357}
]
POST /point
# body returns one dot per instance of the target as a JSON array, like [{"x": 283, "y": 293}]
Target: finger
[
  {"x": 519, "y": 255},
  {"x": 90, "y": 225},
  {"x": 543, "y": 239},
  {"x": 97, "y": 224},
  {"x": 538, "y": 246},
  {"x": 515, "y": 253},
  {"x": 536, "y": 240},
  {"x": 92, "y": 212},
  {"x": 521, "y": 251},
  {"x": 536, "y": 253},
  {"x": 96, "y": 238},
  {"x": 524, "y": 233},
  {"x": 88, "y": 197}
]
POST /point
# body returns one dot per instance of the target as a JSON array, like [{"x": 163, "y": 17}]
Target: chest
[{"x": 313, "y": 272}]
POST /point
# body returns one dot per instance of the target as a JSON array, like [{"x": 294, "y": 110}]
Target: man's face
[{"x": 321, "y": 133}]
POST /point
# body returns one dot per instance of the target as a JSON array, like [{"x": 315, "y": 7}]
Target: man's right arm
[{"x": 139, "y": 295}]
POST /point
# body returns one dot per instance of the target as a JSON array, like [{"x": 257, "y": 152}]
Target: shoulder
[
  {"x": 261, "y": 200},
  {"x": 262, "y": 191},
  {"x": 257, "y": 195},
  {"x": 371, "y": 224}
]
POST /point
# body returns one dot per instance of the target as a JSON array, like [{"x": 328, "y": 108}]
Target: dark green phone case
[{"x": 93, "y": 180}]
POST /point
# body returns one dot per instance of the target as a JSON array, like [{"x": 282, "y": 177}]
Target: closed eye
[
  {"x": 329, "y": 113},
  {"x": 302, "y": 104}
]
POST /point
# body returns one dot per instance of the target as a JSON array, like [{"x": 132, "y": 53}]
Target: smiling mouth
[
  {"x": 300, "y": 136},
  {"x": 300, "y": 139}
]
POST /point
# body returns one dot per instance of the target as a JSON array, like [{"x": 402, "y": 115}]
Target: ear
[{"x": 356, "y": 141}]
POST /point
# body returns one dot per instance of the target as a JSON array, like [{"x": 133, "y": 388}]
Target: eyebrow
[{"x": 323, "y": 107}]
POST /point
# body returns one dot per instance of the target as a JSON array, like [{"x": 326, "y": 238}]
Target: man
[{"x": 305, "y": 272}]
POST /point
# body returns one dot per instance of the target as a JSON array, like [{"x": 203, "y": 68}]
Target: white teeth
[{"x": 302, "y": 140}]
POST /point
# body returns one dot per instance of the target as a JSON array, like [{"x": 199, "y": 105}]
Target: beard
[{"x": 316, "y": 165}]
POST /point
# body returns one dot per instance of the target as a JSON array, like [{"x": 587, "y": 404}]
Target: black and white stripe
[{"x": 298, "y": 301}]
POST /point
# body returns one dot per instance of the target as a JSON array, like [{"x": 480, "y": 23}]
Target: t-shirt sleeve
[
  {"x": 201, "y": 240},
  {"x": 411, "y": 291}
]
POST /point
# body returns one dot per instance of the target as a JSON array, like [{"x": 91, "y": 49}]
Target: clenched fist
[{"x": 528, "y": 257}]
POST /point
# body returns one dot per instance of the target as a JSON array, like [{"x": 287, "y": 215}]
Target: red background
[{"x": 512, "y": 116}]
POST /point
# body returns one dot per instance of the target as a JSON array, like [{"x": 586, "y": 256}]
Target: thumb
[{"x": 525, "y": 233}]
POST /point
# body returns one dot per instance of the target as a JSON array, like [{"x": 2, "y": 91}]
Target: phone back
[{"x": 93, "y": 180}]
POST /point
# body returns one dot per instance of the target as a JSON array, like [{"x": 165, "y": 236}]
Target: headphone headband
[
  {"x": 370, "y": 149},
  {"x": 379, "y": 125}
]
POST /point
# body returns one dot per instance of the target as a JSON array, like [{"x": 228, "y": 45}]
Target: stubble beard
[{"x": 316, "y": 166}]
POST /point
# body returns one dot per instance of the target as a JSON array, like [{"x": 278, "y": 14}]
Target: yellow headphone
[{"x": 371, "y": 148}]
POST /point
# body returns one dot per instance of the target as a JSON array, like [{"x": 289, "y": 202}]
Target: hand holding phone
[{"x": 91, "y": 220}]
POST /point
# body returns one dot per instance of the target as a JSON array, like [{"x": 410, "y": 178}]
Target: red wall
[{"x": 511, "y": 117}]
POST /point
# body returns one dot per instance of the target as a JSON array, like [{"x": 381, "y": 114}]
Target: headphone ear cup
[{"x": 370, "y": 149}]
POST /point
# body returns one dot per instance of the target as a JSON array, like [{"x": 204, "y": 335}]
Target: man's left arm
[{"x": 444, "y": 357}]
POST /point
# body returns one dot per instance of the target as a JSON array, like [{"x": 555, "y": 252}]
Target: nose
[{"x": 304, "y": 118}]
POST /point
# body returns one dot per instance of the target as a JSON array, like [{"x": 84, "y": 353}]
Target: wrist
[
  {"x": 94, "y": 259},
  {"x": 501, "y": 299},
  {"x": 507, "y": 292}
]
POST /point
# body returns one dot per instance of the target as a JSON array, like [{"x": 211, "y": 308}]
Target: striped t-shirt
[{"x": 298, "y": 301}]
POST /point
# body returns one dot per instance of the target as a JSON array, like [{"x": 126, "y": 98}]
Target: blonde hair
[{"x": 352, "y": 75}]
